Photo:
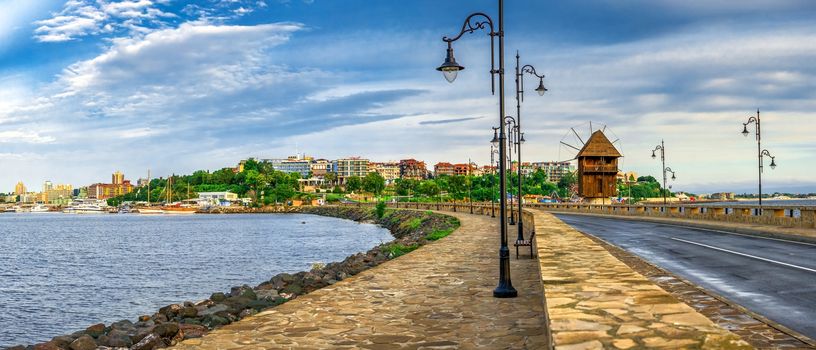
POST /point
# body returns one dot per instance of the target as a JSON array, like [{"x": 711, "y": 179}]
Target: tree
[
  {"x": 648, "y": 178},
  {"x": 374, "y": 183},
  {"x": 353, "y": 183},
  {"x": 330, "y": 178}
]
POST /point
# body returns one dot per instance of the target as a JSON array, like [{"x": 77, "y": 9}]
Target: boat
[
  {"x": 19, "y": 209},
  {"x": 178, "y": 209},
  {"x": 40, "y": 208},
  {"x": 87, "y": 206}
]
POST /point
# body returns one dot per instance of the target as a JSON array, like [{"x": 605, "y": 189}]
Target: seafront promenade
[{"x": 440, "y": 297}]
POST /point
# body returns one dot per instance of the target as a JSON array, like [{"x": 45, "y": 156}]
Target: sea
[{"x": 60, "y": 273}]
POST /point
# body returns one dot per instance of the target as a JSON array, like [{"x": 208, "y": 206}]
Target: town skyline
[{"x": 85, "y": 88}]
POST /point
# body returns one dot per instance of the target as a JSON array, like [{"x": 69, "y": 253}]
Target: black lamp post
[
  {"x": 512, "y": 140},
  {"x": 493, "y": 151},
  {"x": 519, "y": 99},
  {"x": 761, "y": 152},
  {"x": 450, "y": 68},
  {"x": 662, "y": 148}
]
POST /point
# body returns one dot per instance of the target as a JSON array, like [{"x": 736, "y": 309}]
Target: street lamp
[
  {"x": 493, "y": 151},
  {"x": 662, "y": 148},
  {"x": 520, "y": 98},
  {"x": 450, "y": 68},
  {"x": 512, "y": 140},
  {"x": 760, "y": 151}
]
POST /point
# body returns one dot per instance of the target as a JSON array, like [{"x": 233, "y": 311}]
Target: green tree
[
  {"x": 353, "y": 183},
  {"x": 374, "y": 182}
]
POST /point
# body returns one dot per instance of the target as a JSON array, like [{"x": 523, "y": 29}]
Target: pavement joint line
[{"x": 745, "y": 254}]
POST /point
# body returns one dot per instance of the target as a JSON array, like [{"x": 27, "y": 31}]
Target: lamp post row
[
  {"x": 760, "y": 152},
  {"x": 450, "y": 69}
]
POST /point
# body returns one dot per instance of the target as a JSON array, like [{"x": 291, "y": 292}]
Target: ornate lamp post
[
  {"x": 519, "y": 99},
  {"x": 494, "y": 150},
  {"x": 662, "y": 148},
  {"x": 761, "y": 152},
  {"x": 512, "y": 140},
  {"x": 450, "y": 69}
]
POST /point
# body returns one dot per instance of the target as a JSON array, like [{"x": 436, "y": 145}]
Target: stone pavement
[
  {"x": 595, "y": 301},
  {"x": 437, "y": 297}
]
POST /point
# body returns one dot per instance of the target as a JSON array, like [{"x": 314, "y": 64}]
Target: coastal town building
[
  {"x": 444, "y": 168},
  {"x": 413, "y": 169},
  {"x": 291, "y": 165},
  {"x": 20, "y": 188},
  {"x": 56, "y": 194},
  {"x": 320, "y": 167},
  {"x": 627, "y": 177},
  {"x": 390, "y": 171},
  {"x": 723, "y": 196},
  {"x": 348, "y": 167},
  {"x": 554, "y": 170},
  {"x": 119, "y": 187}
]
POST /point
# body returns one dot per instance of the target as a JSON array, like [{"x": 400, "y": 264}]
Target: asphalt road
[{"x": 774, "y": 278}]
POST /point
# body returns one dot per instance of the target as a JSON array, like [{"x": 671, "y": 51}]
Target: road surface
[{"x": 774, "y": 278}]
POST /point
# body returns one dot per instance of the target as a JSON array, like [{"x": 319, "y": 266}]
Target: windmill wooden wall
[{"x": 598, "y": 168}]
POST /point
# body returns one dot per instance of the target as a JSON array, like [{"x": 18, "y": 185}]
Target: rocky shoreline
[{"x": 176, "y": 322}]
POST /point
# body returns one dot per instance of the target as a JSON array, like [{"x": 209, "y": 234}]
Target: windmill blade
[
  {"x": 604, "y": 129},
  {"x": 616, "y": 140},
  {"x": 576, "y": 135},
  {"x": 590, "y": 127},
  {"x": 570, "y": 146}
]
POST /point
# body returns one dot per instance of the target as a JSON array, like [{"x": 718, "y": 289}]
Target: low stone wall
[
  {"x": 176, "y": 322},
  {"x": 797, "y": 217}
]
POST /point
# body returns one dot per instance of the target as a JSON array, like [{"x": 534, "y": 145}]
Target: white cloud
[{"x": 24, "y": 136}]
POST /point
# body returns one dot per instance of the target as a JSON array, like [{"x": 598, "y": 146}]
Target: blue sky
[{"x": 88, "y": 87}]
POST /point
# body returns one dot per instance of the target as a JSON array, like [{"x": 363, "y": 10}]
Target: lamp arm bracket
[
  {"x": 531, "y": 70},
  {"x": 472, "y": 25}
]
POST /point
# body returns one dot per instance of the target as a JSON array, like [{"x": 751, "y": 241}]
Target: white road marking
[{"x": 746, "y": 255}]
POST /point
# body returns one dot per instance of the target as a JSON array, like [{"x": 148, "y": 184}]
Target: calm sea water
[{"x": 60, "y": 273}]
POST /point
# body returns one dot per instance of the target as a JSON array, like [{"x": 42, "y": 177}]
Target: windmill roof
[{"x": 599, "y": 146}]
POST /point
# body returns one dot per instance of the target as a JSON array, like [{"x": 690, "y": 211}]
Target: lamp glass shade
[
  {"x": 653, "y": 155},
  {"x": 450, "y": 68},
  {"x": 541, "y": 89},
  {"x": 495, "y": 140},
  {"x": 773, "y": 163},
  {"x": 674, "y": 177},
  {"x": 745, "y": 130},
  {"x": 522, "y": 140}
]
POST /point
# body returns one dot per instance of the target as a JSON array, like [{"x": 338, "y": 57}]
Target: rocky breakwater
[{"x": 176, "y": 322}]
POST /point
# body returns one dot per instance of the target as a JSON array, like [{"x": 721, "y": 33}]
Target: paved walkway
[
  {"x": 595, "y": 301},
  {"x": 437, "y": 297}
]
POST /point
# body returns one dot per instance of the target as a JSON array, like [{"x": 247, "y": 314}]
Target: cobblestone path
[
  {"x": 595, "y": 301},
  {"x": 437, "y": 297}
]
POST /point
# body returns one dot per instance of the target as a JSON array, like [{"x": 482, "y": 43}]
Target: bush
[
  {"x": 414, "y": 223},
  {"x": 438, "y": 234},
  {"x": 397, "y": 249},
  {"x": 380, "y": 210}
]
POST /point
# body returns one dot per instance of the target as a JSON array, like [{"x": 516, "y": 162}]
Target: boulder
[
  {"x": 269, "y": 294},
  {"x": 166, "y": 330},
  {"x": 150, "y": 342},
  {"x": 188, "y": 312},
  {"x": 95, "y": 330},
  {"x": 85, "y": 342},
  {"x": 119, "y": 339},
  {"x": 212, "y": 321},
  {"x": 170, "y": 310},
  {"x": 47, "y": 346},
  {"x": 218, "y": 297},
  {"x": 193, "y": 330},
  {"x": 144, "y": 318},
  {"x": 214, "y": 309},
  {"x": 244, "y": 291},
  {"x": 63, "y": 341}
]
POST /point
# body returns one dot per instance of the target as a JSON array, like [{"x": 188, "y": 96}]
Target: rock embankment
[{"x": 176, "y": 322}]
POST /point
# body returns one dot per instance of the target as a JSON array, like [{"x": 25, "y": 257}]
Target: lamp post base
[{"x": 505, "y": 288}]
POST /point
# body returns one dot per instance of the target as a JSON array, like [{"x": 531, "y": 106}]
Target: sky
[{"x": 88, "y": 87}]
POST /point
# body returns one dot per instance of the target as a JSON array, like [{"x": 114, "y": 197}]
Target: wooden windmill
[{"x": 597, "y": 169}]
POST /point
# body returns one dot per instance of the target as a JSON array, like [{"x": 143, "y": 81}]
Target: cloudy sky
[{"x": 88, "y": 87}]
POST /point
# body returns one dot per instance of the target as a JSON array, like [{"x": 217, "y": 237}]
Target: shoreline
[{"x": 176, "y": 322}]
